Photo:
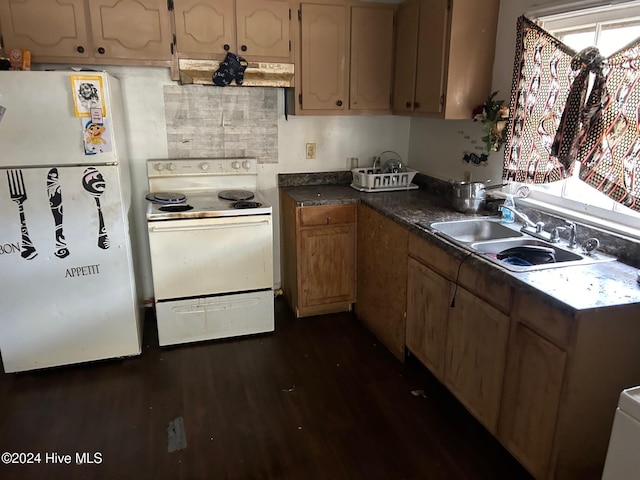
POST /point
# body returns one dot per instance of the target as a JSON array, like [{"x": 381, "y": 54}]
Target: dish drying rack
[{"x": 373, "y": 180}]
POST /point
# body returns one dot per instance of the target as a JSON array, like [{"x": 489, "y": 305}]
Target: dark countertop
[{"x": 570, "y": 288}]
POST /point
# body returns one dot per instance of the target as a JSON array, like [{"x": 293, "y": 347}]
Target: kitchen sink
[
  {"x": 490, "y": 238},
  {"x": 527, "y": 254},
  {"x": 475, "y": 230}
]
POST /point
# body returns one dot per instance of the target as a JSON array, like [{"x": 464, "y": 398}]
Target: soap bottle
[{"x": 507, "y": 215}]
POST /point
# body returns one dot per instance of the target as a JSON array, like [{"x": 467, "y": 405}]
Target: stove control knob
[
  {"x": 235, "y": 165},
  {"x": 171, "y": 166},
  {"x": 204, "y": 166},
  {"x": 246, "y": 165},
  {"x": 159, "y": 167}
]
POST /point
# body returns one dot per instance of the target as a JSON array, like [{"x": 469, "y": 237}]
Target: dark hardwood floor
[{"x": 318, "y": 399}]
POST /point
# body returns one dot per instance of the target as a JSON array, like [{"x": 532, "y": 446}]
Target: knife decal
[{"x": 54, "y": 191}]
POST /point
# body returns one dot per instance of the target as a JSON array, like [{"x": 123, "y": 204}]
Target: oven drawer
[{"x": 195, "y": 257}]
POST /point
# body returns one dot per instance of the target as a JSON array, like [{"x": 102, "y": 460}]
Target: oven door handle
[{"x": 208, "y": 227}]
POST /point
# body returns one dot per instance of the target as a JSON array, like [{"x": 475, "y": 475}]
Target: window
[{"x": 609, "y": 28}]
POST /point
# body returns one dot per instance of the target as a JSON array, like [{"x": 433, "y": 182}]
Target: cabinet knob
[
  {"x": 80, "y": 49},
  {"x": 226, "y": 47},
  {"x": 101, "y": 51},
  {"x": 339, "y": 103},
  {"x": 243, "y": 48},
  {"x": 416, "y": 104},
  {"x": 408, "y": 104}
]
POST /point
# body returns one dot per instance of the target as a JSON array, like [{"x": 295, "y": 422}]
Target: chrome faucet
[
  {"x": 555, "y": 234},
  {"x": 533, "y": 229}
]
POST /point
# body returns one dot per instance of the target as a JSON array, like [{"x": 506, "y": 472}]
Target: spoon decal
[
  {"x": 54, "y": 191},
  {"x": 93, "y": 182}
]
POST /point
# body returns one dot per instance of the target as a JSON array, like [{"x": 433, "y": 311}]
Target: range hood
[{"x": 257, "y": 74}]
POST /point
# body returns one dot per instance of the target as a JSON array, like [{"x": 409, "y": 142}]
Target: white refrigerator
[{"x": 67, "y": 284}]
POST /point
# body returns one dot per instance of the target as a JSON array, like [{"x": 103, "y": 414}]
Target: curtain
[{"x": 554, "y": 123}]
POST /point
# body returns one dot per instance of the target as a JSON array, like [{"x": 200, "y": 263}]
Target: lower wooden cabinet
[
  {"x": 318, "y": 255},
  {"x": 533, "y": 384},
  {"x": 428, "y": 299},
  {"x": 382, "y": 278},
  {"x": 464, "y": 342},
  {"x": 477, "y": 337}
]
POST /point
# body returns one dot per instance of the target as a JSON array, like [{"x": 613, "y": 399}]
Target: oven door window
[{"x": 211, "y": 256}]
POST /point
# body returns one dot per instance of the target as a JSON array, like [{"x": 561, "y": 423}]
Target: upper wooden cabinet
[
  {"x": 345, "y": 59},
  {"x": 258, "y": 30},
  {"x": 93, "y": 32},
  {"x": 444, "y": 56}
]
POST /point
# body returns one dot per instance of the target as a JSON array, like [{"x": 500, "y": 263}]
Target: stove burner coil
[
  {"x": 167, "y": 198},
  {"x": 235, "y": 195},
  {"x": 247, "y": 205}
]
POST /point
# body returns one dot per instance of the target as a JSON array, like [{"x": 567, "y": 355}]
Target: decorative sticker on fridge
[
  {"x": 97, "y": 136},
  {"x": 54, "y": 192},
  {"x": 87, "y": 94},
  {"x": 93, "y": 182},
  {"x": 18, "y": 194}
]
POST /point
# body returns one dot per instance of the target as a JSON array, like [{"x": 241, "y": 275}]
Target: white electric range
[{"x": 211, "y": 245}]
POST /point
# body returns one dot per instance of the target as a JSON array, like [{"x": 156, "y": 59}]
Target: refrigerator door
[
  {"x": 67, "y": 294},
  {"x": 40, "y": 127}
]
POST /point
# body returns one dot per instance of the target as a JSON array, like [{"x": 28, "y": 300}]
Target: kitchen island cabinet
[
  {"x": 444, "y": 56},
  {"x": 382, "y": 278},
  {"x": 136, "y": 32},
  {"x": 318, "y": 245},
  {"x": 345, "y": 59}
]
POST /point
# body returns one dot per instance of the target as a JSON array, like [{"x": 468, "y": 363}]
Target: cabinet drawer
[
  {"x": 544, "y": 319},
  {"x": 327, "y": 215},
  {"x": 434, "y": 257}
]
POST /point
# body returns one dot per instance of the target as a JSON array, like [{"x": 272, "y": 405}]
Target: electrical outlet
[{"x": 311, "y": 151}]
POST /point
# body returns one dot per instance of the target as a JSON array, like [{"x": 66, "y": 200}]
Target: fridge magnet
[
  {"x": 87, "y": 94},
  {"x": 97, "y": 136}
]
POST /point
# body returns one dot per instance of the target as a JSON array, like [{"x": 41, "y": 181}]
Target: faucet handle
[
  {"x": 539, "y": 227},
  {"x": 555, "y": 233}
]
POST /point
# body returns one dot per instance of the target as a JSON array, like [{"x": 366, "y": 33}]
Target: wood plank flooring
[{"x": 318, "y": 399}]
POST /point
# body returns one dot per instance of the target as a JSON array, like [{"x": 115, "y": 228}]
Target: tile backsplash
[{"x": 206, "y": 121}]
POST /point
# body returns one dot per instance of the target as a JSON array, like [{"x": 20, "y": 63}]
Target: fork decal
[{"x": 19, "y": 195}]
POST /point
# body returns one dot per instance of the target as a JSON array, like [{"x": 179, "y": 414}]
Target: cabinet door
[
  {"x": 432, "y": 55},
  {"x": 477, "y": 338},
  {"x": 428, "y": 297},
  {"x": 324, "y": 57},
  {"x": 532, "y": 388},
  {"x": 47, "y": 29},
  {"x": 135, "y": 29},
  {"x": 382, "y": 278},
  {"x": 371, "y": 58},
  {"x": 204, "y": 28},
  {"x": 327, "y": 265},
  {"x": 263, "y": 29},
  {"x": 406, "y": 56}
]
